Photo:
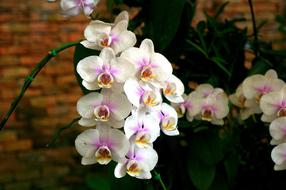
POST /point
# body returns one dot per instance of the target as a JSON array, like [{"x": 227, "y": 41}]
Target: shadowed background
[{"x": 29, "y": 29}]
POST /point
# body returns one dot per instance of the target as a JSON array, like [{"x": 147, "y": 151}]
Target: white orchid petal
[
  {"x": 125, "y": 70},
  {"x": 126, "y": 39},
  {"x": 147, "y": 46},
  {"x": 121, "y": 107},
  {"x": 278, "y": 154},
  {"x": 95, "y": 29},
  {"x": 162, "y": 67},
  {"x": 107, "y": 54},
  {"x": 90, "y": 45},
  {"x": 133, "y": 91},
  {"x": 148, "y": 156},
  {"x": 120, "y": 170},
  {"x": 121, "y": 16},
  {"x": 84, "y": 143},
  {"x": 90, "y": 85},
  {"x": 87, "y": 103},
  {"x": 87, "y": 122},
  {"x": 131, "y": 126},
  {"x": 88, "y": 160},
  {"x": 277, "y": 129},
  {"x": 87, "y": 68}
]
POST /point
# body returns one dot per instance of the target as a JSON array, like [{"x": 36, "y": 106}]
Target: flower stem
[
  {"x": 31, "y": 77},
  {"x": 255, "y": 32},
  {"x": 157, "y": 176}
]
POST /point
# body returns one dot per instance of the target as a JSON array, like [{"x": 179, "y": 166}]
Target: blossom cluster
[
  {"x": 204, "y": 103},
  {"x": 266, "y": 94},
  {"x": 126, "y": 85}
]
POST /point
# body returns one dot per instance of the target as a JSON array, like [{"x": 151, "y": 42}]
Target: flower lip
[
  {"x": 168, "y": 123},
  {"x": 133, "y": 168},
  {"x": 105, "y": 80},
  {"x": 102, "y": 113},
  {"x": 170, "y": 89},
  {"x": 146, "y": 73},
  {"x": 103, "y": 155}
]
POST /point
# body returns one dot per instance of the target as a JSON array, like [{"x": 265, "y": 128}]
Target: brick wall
[{"x": 29, "y": 29}]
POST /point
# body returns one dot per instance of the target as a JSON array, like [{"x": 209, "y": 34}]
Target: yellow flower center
[
  {"x": 103, "y": 155},
  {"x": 146, "y": 73},
  {"x": 133, "y": 168},
  {"x": 281, "y": 112},
  {"x": 102, "y": 113},
  {"x": 207, "y": 115},
  {"x": 105, "y": 80},
  {"x": 150, "y": 99},
  {"x": 105, "y": 40},
  {"x": 142, "y": 139},
  {"x": 169, "y": 123},
  {"x": 170, "y": 89}
]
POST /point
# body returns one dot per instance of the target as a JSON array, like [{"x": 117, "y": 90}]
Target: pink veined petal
[
  {"x": 161, "y": 66},
  {"x": 95, "y": 29},
  {"x": 131, "y": 126},
  {"x": 277, "y": 129},
  {"x": 148, "y": 156},
  {"x": 124, "y": 40},
  {"x": 88, "y": 68},
  {"x": 269, "y": 103},
  {"x": 115, "y": 140},
  {"x": 124, "y": 68},
  {"x": 87, "y": 103},
  {"x": 121, "y": 107},
  {"x": 84, "y": 143},
  {"x": 133, "y": 91},
  {"x": 152, "y": 127},
  {"x": 135, "y": 56}
]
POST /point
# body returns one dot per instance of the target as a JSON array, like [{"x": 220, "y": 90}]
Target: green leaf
[
  {"x": 202, "y": 175},
  {"x": 80, "y": 53},
  {"x": 220, "y": 9},
  {"x": 207, "y": 146},
  {"x": 198, "y": 48},
  {"x": 219, "y": 183},
  {"x": 231, "y": 167},
  {"x": 163, "y": 21},
  {"x": 97, "y": 182},
  {"x": 221, "y": 64},
  {"x": 260, "y": 66}
]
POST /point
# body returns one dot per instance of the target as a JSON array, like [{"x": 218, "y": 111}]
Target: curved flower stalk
[
  {"x": 99, "y": 34},
  {"x": 107, "y": 108},
  {"x": 138, "y": 163},
  {"x": 74, "y": 7},
  {"x": 104, "y": 71},
  {"x": 101, "y": 145}
]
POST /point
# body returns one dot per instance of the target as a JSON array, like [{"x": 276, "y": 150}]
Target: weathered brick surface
[{"x": 29, "y": 29}]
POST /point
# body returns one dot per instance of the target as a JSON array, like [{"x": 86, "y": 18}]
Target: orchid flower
[
  {"x": 107, "y": 108},
  {"x": 255, "y": 86},
  {"x": 278, "y": 156},
  {"x": 151, "y": 67},
  {"x": 168, "y": 120},
  {"x": 273, "y": 105},
  {"x": 99, "y": 34},
  {"x": 277, "y": 130},
  {"x": 247, "y": 106},
  {"x": 142, "y": 95},
  {"x": 74, "y": 7},
  {"x": 214, "y": 107},
  {"x": 173, "y": 89},
  {"x": 104, "y": 71},
  {"x": 138, "y": 163},
  {"x": 190, "y": 106},
  {"x": 143, "y": 129},
  {"x": 204, "y": 90},
  {"x": 101, "y": 145}
]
